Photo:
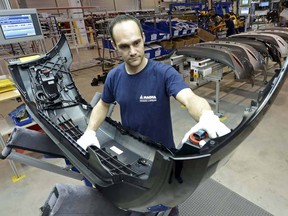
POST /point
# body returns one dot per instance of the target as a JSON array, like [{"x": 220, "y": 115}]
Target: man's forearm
[
  {"x": 195, "y": 104},
  {"x": 98, "y": 115}
]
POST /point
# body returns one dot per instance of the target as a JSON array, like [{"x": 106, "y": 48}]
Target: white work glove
[
  {"x": 211, "y": 124},
  {"x": 88, "y": 139}
]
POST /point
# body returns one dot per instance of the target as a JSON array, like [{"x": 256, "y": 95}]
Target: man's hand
[
  {"x": 211, "y": 124},
  {"x": 87, "y": 139}
]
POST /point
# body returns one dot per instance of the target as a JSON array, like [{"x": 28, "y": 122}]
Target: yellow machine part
[{"x": 6, "y": 85}]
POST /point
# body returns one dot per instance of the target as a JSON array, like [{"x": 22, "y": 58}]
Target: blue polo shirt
[{"x": 144, "y": 99}]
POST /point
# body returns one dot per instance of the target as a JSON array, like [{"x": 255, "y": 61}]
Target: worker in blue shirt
[
  {"x": 229, "y": 25},
  {"x": 142, "y": 87}
]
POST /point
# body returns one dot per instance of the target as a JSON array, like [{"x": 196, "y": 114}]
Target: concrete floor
[{"x": 257, "y": 170}]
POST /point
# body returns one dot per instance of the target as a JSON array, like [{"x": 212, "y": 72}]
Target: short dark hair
[
  {"x": 227, "y": 16},
  {"x": 122, "y": 18}
]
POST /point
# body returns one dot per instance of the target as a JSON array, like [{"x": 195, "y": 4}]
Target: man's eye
[
  {"x": 136, "y": 43},
  {"x": 124, "y": 47}
]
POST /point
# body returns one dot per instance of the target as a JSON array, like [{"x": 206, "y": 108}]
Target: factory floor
[{"x": 257, "y": 171}]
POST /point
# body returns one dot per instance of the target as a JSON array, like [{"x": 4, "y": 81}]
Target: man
[
  {"x": 229, "y": 25},
  {"x": 142, "y": 87},
  {"x": 211, "y": 13},
  {"x": 90, "y": 28}
]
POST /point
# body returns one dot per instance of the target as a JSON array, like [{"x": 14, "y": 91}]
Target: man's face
[
  {"x": 211, "y": 13},
  {"x": 129, "y": 42}
]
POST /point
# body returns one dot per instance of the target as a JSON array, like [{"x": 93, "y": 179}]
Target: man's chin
[{"x": 135, "y": 63}]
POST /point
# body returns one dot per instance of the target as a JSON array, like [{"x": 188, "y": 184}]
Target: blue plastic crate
[
  {"x": 178, "y": 28},
  {"x": 153, "y": 34},
  {"x": 150, "y": 36},
  {"x": 164, "y": 26},
  {"x": 193, "y": 27},
  {"x": 15, "y": 113},
  {"x": 149, "y": 52},
  {"x": 107, "y": 43},
  {"x": 161, "y": 26},
  {"x": 157, "y": 50},
  {"x": 24, "y": 122},
  {"x": 168, "y": 51}
]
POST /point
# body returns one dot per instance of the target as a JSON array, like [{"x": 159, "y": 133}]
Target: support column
[
  {"x": 13, "y": 4},
  {"x": 5, "y": 4},
  {"x": 114, "y": 3},
  {"x": 139, "y": 5},
  {"x": 210, "y": 4},
  {"x": 78, "y": 23},
  {"x": 22, "y": 4}
]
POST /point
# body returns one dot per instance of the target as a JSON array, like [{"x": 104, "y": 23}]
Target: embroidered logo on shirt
[{"x": 150, "y": 98}]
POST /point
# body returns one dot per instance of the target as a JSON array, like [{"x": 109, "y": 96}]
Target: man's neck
[{"x": 135, "y": 70}]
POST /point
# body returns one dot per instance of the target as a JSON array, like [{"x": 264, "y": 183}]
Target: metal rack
[
  {"x": 185, "y": 7},
  {"x": 108, "y": 56},
  {"x": 7, "y": 127},
  {"x": 71, "y": 22}
]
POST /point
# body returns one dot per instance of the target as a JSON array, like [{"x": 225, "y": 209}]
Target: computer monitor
[
  {"x": 244, "y": 11},
  {"x": 19, "y": 25},
  {"x": 264, "y": 4},
  {"x": 245, "y": 2}
]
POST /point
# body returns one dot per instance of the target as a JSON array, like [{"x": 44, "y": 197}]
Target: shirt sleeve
[
  {"x": 174, "y": 82},
  {"x": 107, "y": 95}
]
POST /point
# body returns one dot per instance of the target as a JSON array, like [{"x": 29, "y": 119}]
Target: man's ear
[
  {"x": 113, "y": 44},
  {"x": 143, "y": 35}
]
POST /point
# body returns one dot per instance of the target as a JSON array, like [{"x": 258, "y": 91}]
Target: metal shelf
[{"x": 7, "y": 126}]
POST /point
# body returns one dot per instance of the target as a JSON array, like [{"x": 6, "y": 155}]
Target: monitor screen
[
  {"x": 244, "y": 11},
  {"x": 264, "y": 4},
  {"x": 245, "y": 2},
  {"x": 19, "y": 25}
]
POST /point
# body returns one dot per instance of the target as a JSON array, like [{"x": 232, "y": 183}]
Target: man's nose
[{"x": 132, "y": 50}]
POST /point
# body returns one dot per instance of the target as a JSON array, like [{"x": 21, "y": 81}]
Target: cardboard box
[
  {"x": 205, "y": 36},
  {"x": 190, "y": 40},
  {"x": 188, "y": 17},
  {"x": 166, "y": 45},
  {"x": 195, "y": 40},
  {"x": 178, "y": 43}
]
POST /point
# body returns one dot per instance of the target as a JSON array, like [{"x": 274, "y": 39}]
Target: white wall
[
  {"x": 121, "y": 5},
  {"x": 40, "y": 4},
  {"x": 150, "y": 4},
  {"x": 103, "y": 4}
]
